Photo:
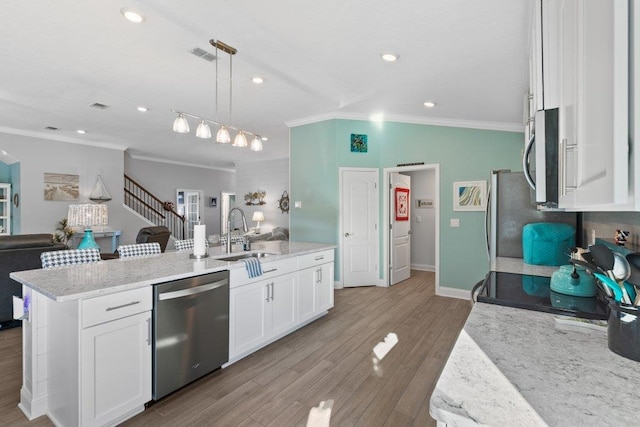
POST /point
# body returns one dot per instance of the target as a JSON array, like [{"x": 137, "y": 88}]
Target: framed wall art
[
  {"x": 402, "y": 204},
  {"x": 60, "y": 186},
  {"x": 469, "y": 196}
]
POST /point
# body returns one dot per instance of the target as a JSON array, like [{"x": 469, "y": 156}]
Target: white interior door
[
  {"x": 359, "y": 226},
  {"x": 191, "y": 211},
  {"x": 400, "y": 228}
]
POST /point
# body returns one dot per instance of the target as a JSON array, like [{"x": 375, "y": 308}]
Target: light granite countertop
[
  {"x": 117, "y": 275},
  {"x": 516, "y": 265},
  {"x": 518, "y": 367}
]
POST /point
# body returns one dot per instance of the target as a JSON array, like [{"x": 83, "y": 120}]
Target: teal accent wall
[
  {"x": 5, "y": 172},
  {"x": 317, "y": 151}
]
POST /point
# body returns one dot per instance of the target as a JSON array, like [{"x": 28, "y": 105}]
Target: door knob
[{"x": 346, "y": 234}]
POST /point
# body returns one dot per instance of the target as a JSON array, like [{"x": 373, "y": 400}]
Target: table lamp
[
  {"x": 258, "y": 216},
  {"x": 87, "y": 216}
]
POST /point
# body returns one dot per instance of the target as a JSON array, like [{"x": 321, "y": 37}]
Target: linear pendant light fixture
[{"x": 181, "y": 124}]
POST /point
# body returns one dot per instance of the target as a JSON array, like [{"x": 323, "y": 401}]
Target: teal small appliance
[{"x": 578, "y": 282}]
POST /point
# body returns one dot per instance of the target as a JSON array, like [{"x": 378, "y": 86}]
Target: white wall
[
  {"x": 423, "y": 234},
  {"x": 271, "y": 176},
  {"x": 163, "y": 180}
]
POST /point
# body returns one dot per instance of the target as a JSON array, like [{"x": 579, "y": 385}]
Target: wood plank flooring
[{"x": 328, "y": 359}]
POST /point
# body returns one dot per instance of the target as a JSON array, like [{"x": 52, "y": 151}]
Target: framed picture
[
  {"x": 213, "y": 202},
  {"x": 469, "y": 196},
  {"x": 402, "y": 204},
  {"x": 358, "y": 143},
  {"x": 60, "y": 186}
]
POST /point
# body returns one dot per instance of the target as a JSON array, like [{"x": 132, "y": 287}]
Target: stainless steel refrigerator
[{"x": 510, "y": 206}]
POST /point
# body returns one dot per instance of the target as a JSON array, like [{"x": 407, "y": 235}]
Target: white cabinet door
[
  {"x": 593, "y": 115},
  {"x": 282, "y": 303},
  {"x": 247, "y": 317},
  {"x": 115, "y": 368},
  {"x": 307, "y": 294},
  {"x": 324, "y": 287}
]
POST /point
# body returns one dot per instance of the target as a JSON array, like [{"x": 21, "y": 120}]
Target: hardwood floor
[{"x": 328, "y": 359}]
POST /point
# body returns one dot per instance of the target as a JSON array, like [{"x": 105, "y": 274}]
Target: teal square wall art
[{"x": 358, "y": 143}]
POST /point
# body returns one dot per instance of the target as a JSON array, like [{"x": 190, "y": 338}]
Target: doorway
[
  {"x": 400, "y": 227},
  {"x": 227, "y": 202},
  {"x": 189, "y": 204},
  {"x": 358, "y": 226},
  {"x": 424, "y": 219}
]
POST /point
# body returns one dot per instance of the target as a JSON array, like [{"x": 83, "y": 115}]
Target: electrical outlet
[
  {"x": 297, "y": 205},
  {"x": 455, "y": 222}
]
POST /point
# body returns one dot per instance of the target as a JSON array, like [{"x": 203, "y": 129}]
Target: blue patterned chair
[
  {"x": 69, "y": 257},
  {"x": 140, "y": 249}
]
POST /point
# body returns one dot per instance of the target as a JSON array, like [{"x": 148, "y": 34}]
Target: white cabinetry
[
  {"x": 5, "y": 209},
  {"x": 109, "y": 378},
  {"x": 263, "y": 308},
  {"x": 290, "y": 293},
  {"x": 594, "y": 131},
  {"x": 315, "y": 284}
]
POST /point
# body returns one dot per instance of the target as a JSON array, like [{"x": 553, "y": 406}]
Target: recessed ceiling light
[
  {"x": 132, "y": 15},
  {"x": 257, "y": 80},
  {"x": 142, "y": 109},
  {"x": 81, "y": 132},
  {"x": 264, "y": 138},
  {"x": 429, "y": 104},
  {"x": 389, "y": 57}
]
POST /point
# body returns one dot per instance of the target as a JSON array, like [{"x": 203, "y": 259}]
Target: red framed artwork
[{"x": 402, "y": 204}]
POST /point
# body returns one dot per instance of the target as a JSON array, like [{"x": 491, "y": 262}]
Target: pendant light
[
  {"x": 181, "y": 125},
  {"x": 203, "y": 130},
  {"x": 256, "y": 144},
  {"x": 240, "y": 140}
]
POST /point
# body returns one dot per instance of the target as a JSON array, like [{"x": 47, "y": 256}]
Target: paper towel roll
[{"x": 199, "y": 236}]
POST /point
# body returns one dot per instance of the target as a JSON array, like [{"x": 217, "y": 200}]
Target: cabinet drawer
[
  {"x": 239, "y": 276},
  {"x": 316, "y": 258},
  {"x": 115, "y": 306}
]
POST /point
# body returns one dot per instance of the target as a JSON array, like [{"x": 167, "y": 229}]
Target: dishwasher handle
[{"x": 192, "y": 291}]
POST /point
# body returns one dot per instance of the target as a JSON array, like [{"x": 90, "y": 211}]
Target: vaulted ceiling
[{"x": 319, "y": 59}]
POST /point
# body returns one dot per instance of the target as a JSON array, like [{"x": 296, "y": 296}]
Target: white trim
[
  {"x": 340, "y": 231},
  {"x": 337, "y": 284},
  {"x": 174, "y": 162},
  {"x": 434, "y": 121},
  {"x": 61, "y": 138},
  {"x": 385, "y": 217},
  {"x": 423, "y": 267},
  {"x": 464, "y": 294}
]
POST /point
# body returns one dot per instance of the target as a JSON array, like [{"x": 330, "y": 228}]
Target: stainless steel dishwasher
[{"x": 190, "y": 330}]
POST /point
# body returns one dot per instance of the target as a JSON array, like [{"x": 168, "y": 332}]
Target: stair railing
[{"x": 152, "y": 208}]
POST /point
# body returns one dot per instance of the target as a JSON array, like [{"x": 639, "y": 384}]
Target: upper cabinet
[{"x": 594, "y": 167}]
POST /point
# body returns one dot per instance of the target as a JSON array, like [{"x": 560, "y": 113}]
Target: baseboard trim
[
  {"x": 423, "y": 267},
  {"x": 464, "y": 294}
]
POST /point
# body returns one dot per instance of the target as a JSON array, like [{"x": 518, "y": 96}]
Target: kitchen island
[
  {"x": 517, "y": 367},
  {"x": 87, "y": 340}
]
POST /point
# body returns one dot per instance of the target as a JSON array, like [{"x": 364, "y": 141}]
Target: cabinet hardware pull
[
  {"x": 149, "y": 331},
  {"x": 267, "y": 293},
  {"x": 320, "y": 275},
  {"x": 318, "y": 258},
  {"x": 269, "y": 271},
  {"x": 192, "y": 291},
  {"x": 123, "y": 305},
  {"x": 273, "y": 292}
]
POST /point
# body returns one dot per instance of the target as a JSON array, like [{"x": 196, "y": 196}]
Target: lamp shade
[
  {"x": 87, "y": 215},
  {"x": 258, "y": 216}
]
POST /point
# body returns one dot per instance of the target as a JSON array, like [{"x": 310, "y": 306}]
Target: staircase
[{"x": 153, "y": 209}]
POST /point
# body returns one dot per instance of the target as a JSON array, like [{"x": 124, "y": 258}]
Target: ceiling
[{"x": 319, "y": 59}]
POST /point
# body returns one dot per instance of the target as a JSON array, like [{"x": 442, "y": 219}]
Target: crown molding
[
  {"x": 61, "y": 138},
  {"x": 471, "y": 124},
  {"x": 173, "y": 162}
]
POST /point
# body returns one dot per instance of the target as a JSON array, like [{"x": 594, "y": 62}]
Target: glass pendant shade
[
  {"x": 203, "y": 130},
  {"x": 240, "y": 140},
  {"x": 223, "y": 136},
  {"x": 181, "y": 125},
  {"x": 256, "y": 144}
]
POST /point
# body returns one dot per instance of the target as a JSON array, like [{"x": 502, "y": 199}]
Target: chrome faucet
[{"x": 244, "y": 226}]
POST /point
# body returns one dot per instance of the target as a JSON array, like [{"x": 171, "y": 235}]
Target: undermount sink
[{"x": 244, "y": 256}]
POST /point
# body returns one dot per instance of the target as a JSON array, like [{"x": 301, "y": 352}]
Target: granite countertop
[
  {"x": 117, "y": 275},
  {"x": 516, "y": 265},
  {"x": 517, "y": 367}
]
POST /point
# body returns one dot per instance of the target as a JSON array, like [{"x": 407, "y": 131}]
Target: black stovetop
[{"x": 534, "y": 293}]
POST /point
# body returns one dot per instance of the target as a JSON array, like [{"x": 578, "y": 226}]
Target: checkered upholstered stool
[
  {"x": 186, "y": 245},
  {"x": 141, "y": 249},
  {"x": 69, "y": 257}
]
